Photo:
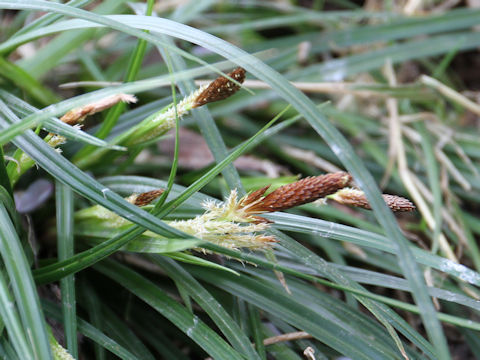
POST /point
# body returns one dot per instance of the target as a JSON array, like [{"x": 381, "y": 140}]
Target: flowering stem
[{"x": 162, "y": 121}]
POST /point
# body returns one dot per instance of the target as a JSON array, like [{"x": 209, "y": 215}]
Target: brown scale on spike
[
  {"x": 300, "y": 192},
  {"x": 254, "y": 196},
  {"x": 221, "y": 88},
  {"x": 147, "y": 197}
]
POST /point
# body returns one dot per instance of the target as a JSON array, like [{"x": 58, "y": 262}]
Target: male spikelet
[
  {"x": 300, "y": 192},
  {"x": 235, "y": 223}
]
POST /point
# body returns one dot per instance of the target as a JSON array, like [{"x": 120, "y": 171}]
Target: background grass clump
[{"x": 387, "y": 91}]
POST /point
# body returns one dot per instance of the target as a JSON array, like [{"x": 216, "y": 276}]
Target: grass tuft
[{"x": 187, "y": 143}]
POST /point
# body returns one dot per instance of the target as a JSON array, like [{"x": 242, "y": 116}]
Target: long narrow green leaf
[
  {"x": 93, "y": 308},
  {"x": 318, "y": 301},
  {"x": 66, "y": 249},
  {"x": 291, "y": 222},
  {"x": 214, "y": 309},
  {"x": 321, "y": 324},
  {"x": 23, "y": 287},
  {"x": 11, "y": 321},
  {"x": 195, "y": 260},
  {"x": 341, "y": 68},
  {"x": 6, "y": 350},
  {"x": 48, "y": 56},
  {"x": 397, "y": 29},
  {"x": 143, "y": 244},
  {"x": 393, "y": 282},
  {"x": 176, "y": 151},
  {"x": 25, "y": 81},
  {"x": 92, "y": 333},
  {"x": 190, "y": 324},
  {"x": 48, "y": 18},
  {"x": 120, "y": 331},
  {"x": 256, "y": 328}
]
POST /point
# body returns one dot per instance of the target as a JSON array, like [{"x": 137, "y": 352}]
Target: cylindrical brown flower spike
[
  {"x": 357, "y": 198},
  {"x": 221, "y": 88},
  {"x": 300, "y": 192}
]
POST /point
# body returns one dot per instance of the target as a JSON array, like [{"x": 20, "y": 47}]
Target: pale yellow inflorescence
[
  {"x": 225, "y": 233},
  {"x": 224, "y": 224},
  {"x": 232, "y": 209},
  {"x": 227, "y": 224}
]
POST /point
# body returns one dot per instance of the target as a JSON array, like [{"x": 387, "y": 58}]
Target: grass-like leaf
[
  {"x": 222, "y": 319},
  {"x": 11, "y": 321},
  {"x": 66, "y": 249},
  {"x": 93, "y": 333},
  {"x": 366, "y": 63},
  {"x": 23, "y": 287},
  {"x": 190, "y": 324}
]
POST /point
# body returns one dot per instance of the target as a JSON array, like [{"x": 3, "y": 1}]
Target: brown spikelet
[
  {"x": 357, "y": 198},
  {"x": 147, "y": 197},
  {"x": 302, "y": 192},
  {"x": 221, "y": 88},
  {"x": 77, "y": 115}
]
